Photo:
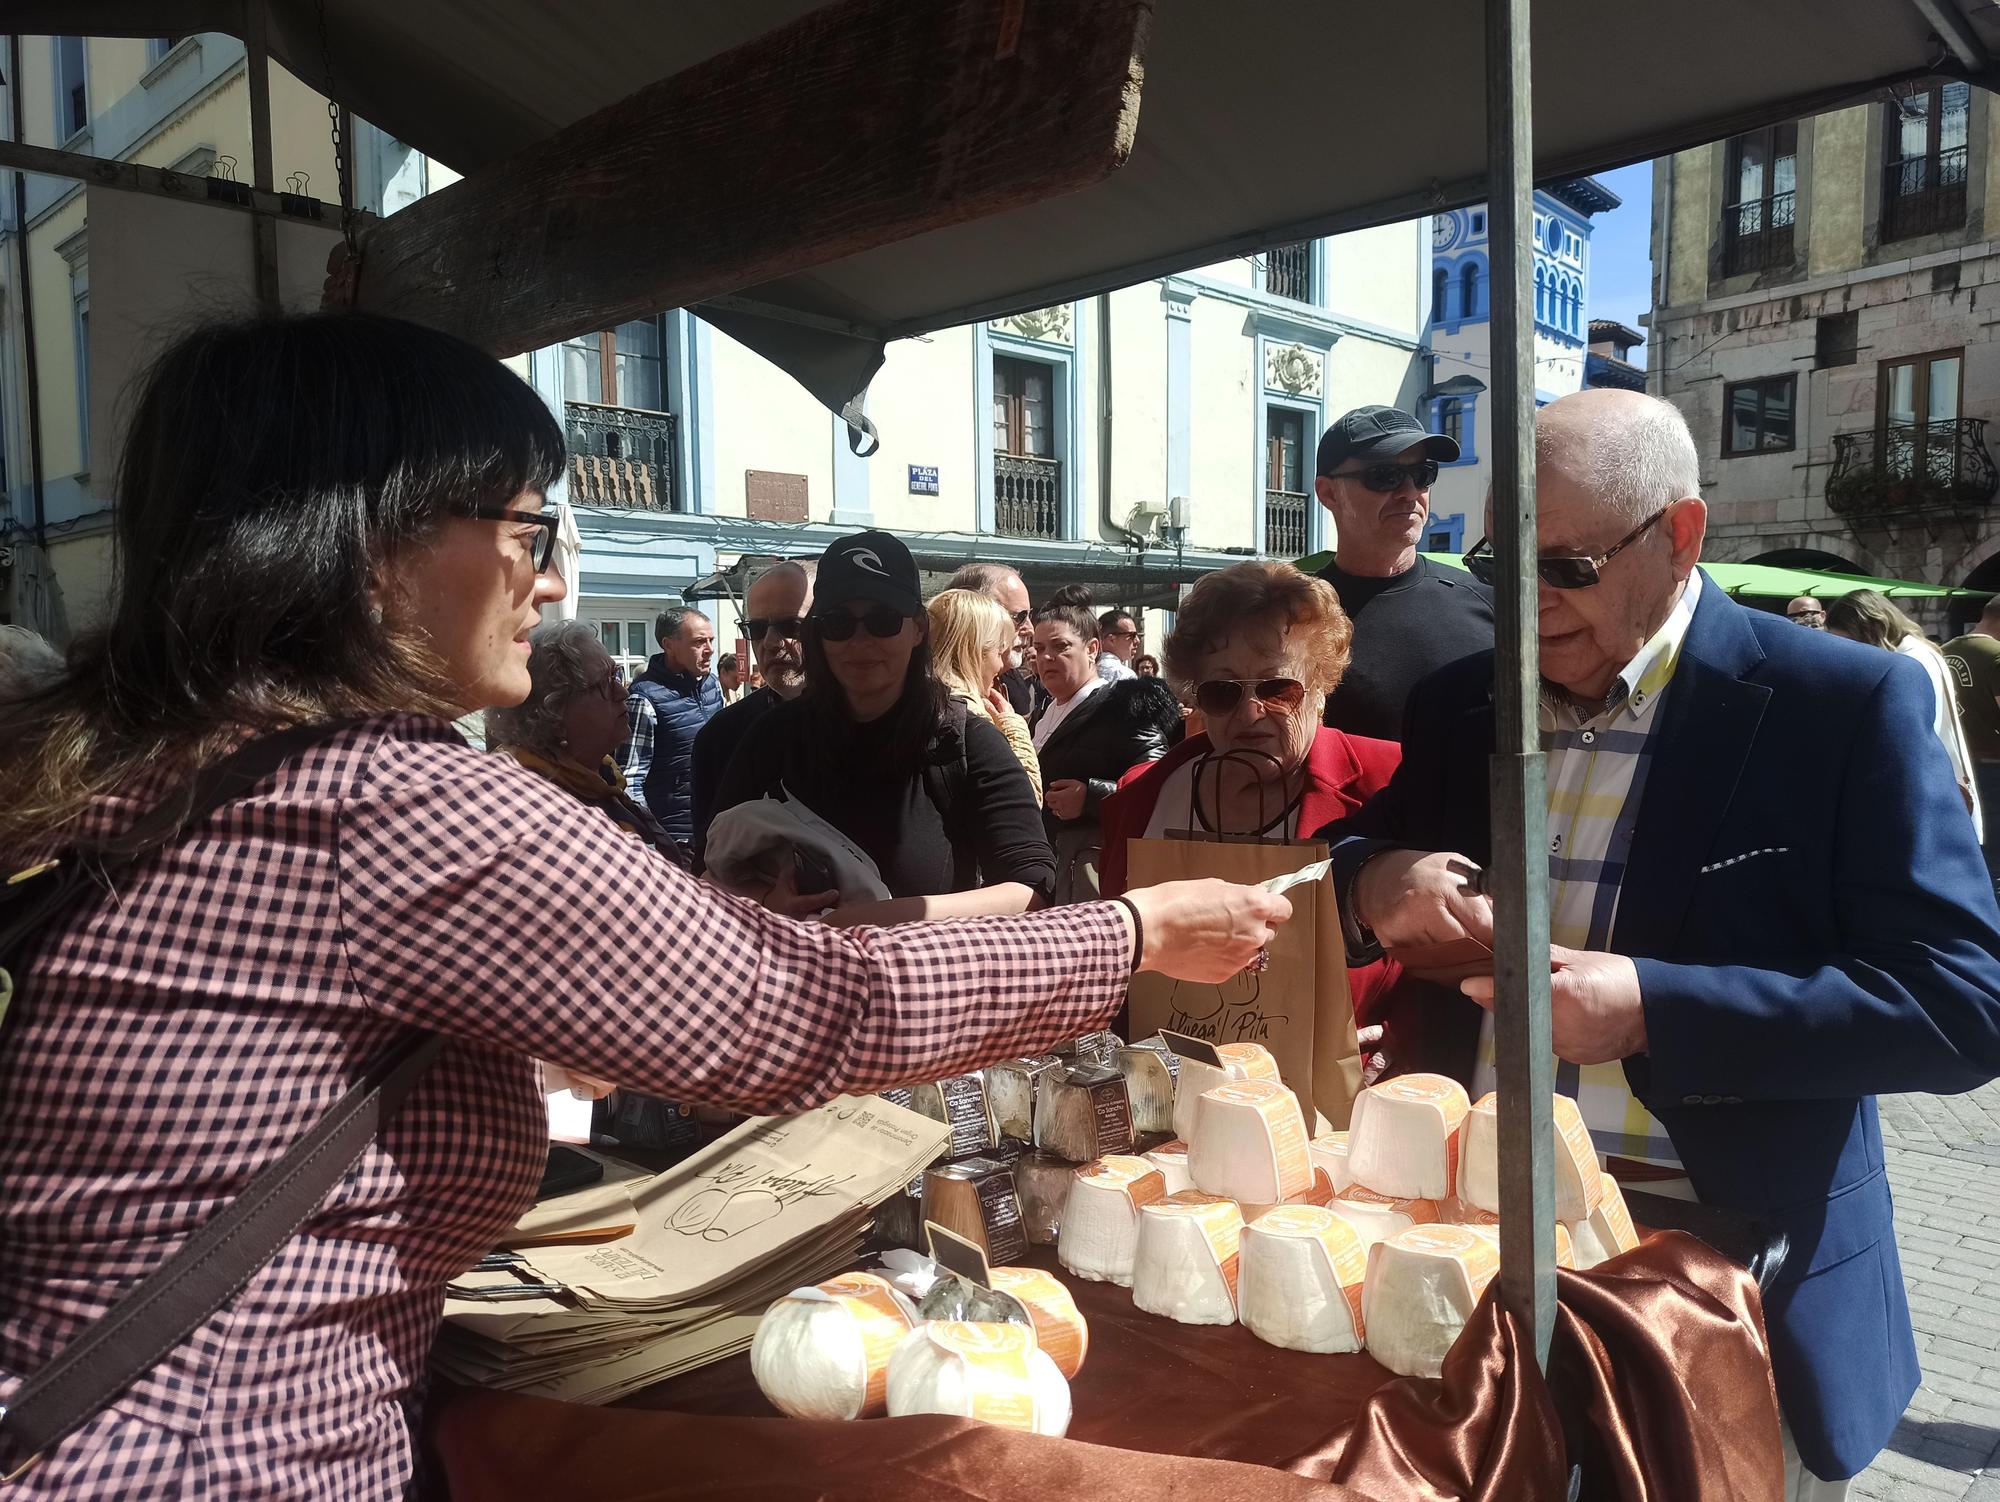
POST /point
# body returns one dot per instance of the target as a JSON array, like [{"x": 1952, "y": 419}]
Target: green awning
[{"x": 1762, "y": 581}]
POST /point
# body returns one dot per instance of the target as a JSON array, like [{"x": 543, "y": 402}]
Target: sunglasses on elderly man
[
  {"x": 1386, "y": 478},
  {"x": 839, "y": 625},
  {"x": 790, "y": 627},
  {"x": 1219, "y": 697},
  {"x": 1560, "y": 573}
]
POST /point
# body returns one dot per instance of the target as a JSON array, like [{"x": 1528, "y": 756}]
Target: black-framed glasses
[
  {"x": 1388, "y": 476},
  {"x": 840, "y": 625},
  {"x": 791, "y": 627},
  {"x": 1121, "y": 633},
  {"x": 1219, "y": 697},
  {"x": 1560, "y": 573},
  {"x": 543, "y": 549}
]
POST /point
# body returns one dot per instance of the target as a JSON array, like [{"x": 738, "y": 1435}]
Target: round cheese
[
  {"x": 1240, "y": 1061},
  {"x": 1186, "y": 1263},
  {"x": 1059, "y": 1325},
  {"x": 1404, "y": 1140},
  {"x": 1421, "y": 1287},
  {"x": 994, "y": 1373},
  {"x": 1577, "y": 1175},
  {"x": 824, "y": 1352},
  {"x": 1377, "y": 1217},
  {"x": 1100, "y": 1226},
  {"x": 1329, "y": 1151},
  {"x": 1250, "y": 1143},
  {"x": 1171, "y": 1158},
  {"x": 1608, "y": 1229},
  {"x": 1300, "y": 1280}
]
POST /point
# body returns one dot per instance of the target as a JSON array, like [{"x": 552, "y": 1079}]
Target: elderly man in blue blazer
[{"x": 1751, "y": 942}]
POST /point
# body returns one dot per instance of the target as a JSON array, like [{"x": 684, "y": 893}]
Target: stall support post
[
  {"x": 262, "y": 226},
  {"x": 1520, "y": 865}
]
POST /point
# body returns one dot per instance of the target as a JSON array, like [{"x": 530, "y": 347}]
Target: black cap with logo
[
  {"x": 869, "y": 566},
  {"x": 1373, "y": 434}
]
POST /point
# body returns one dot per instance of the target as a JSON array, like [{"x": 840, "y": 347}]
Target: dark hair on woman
[
  {"x": 914, "y": 720},
  {"x": 1071, "y": 605},
  {"x": 271, "y": 470}
]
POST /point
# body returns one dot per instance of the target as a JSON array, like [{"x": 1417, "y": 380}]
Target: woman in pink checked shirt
[{"x": 342, "y": 517}]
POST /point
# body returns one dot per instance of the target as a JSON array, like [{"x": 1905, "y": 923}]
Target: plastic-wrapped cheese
[
  {"x": 1171, "y": 1158},
  {"x": 1059, "y": 1325},
  {"x": 1150, "y": 1069},
  {"x": 1488, "y": 1224},
  {"x": 1041, "y": 1181},
  {"x": 1329, "y": 1151},
  {"x": 1319, "y": 1192},
  {"x": 961, "y": 1104},
  {"x": 1608, "y": 1229},
  {"x": 1250, "y": 1143},
  {"x": 1012, "y": 1087},
  {"x": 1186, "y": 1262},
  {"x": 1100, "y": 1229},
  {"x": 976, "y": 1199},
  {"x": 995, "y": 1373},
  {"x": 1300, "y": 1280},
  {"x": 1404, "y": 1140},
  {"x": 1240, "y": 1061},
  {"x": 1084, "y": 1113},
  {"x": 1421, "y": 1287},
  {"x": 1577, "y": 1173},
  {"x": 824, "y": 1352},
  {"x": 1377, "y": 1217},
  {"x": 1097, "y": 1050}
]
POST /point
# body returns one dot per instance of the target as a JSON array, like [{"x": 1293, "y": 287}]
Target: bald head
[{"x": 1632, "y": 452}]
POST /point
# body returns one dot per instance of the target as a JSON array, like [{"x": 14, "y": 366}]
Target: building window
[
  {"x": 1027, "y": 476},
  {"x": 621, "y": 438},
  {"x": 72, "y": 89},
  {"x": 1836, "y": 340},
  {"x": 1479, "y": 221},
  {"x": 1284, "y": 482},
  {"x": 1918, "y": 420},
  {"x": 1445, "y": 534},
  {"x": 1440, "y": 284},
  {"x": 1288, "y": 271},
  {"x": 1468, "y": 291},
  {"x": 1451, "y": 420},
  {"x": 1923, "y": 174},
  {"x": 1762, "y": 200},
  {"x": 1757, "y": 415},
  {"x": 630, "y": 643},
  {"x": 81, "y": 323},
  {"x": 617, "y": 368}
]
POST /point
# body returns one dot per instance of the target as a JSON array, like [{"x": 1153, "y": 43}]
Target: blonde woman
[{"x": 971, "y": 636}]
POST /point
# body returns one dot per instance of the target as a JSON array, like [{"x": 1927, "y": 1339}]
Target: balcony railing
[
  {"x": 1923, "y": 196},
  {"x": 621, "y": 456},
  {"x": 1027, "y": 496},
  {"x": 1284, "y": 523},
  {"x": 1758, "y": 234},
  {"x": 1911, "y": 470},
  {"x": 1288, "y": 271}
]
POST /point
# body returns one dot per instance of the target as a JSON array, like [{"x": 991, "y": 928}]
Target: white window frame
[{"x": 64, "y": 135}]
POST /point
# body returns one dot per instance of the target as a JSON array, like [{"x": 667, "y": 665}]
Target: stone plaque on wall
[{"x": 770, "y": 496}]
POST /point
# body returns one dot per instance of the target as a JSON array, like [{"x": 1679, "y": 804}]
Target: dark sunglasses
[
  {"x": 838, "y": 625},
  {"x": 1386, "y": 477},
  {"x": 1218, "y": 697},
  {"x": 544, "y": 546},
  {"x": 1806, "y": 615},
  {"x": 1021, "y": 617},
  {"x": 1560, "y": 573},
  {"x": 791, "y": 627}
]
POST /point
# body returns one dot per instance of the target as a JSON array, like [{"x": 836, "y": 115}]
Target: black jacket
[{"x": 1116, "y": 728}]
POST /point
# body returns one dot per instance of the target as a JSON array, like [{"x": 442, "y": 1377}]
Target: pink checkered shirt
[{"x": 172, "y": 1042}]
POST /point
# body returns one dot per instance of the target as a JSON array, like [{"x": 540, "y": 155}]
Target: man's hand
[
  {"x": 1596, "y": 1014},
  {"x": 1411, "y": 898},
  {"x": 1065, "y": 798}
]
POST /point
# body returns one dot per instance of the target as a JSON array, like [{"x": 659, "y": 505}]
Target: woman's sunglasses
[
  {"x": 543, "y": 549},
  {"x": 1219, "y": 697},
  {"x": 1559, "y": 573},
  {"x": 1386, "y": 478},
  {"x": 838, "y": 625}
]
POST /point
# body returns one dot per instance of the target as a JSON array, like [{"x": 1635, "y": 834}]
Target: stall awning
[{"x": 1760, "y": 581}]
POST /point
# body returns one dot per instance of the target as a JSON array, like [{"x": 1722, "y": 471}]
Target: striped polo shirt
[{"x": 1597, "y": 764}]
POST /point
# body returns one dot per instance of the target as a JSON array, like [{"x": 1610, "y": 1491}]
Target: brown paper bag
[{"x": 1299, "y": 1007}]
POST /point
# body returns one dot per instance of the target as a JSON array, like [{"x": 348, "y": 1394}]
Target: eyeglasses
[
  {"x": 1560, "y": 573},
  {"x": 1219, "y": 697},
  {"x": 1021, "y": 617},
  {"x": 791, "y": 627},
  {"x": 1387, "y": 477},
  {"x": 611, "y": 686},
  {"x": 838, "y": 625},
  {"x": 1805, "y": 615},
  {"x": 1121, "y": 635},
  {"x": 543, "y": 548}
]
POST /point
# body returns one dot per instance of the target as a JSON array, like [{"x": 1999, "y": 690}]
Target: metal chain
[{"x": 342, "y": 169}]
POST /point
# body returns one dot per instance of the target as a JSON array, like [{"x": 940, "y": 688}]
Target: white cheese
[
  {"x": 1083, "y": 1114},
  {"x": 1185, "y": 1264},
  {"x": 1319, "y": 1192},
  {"x": 1041, "y": 1181},
  {"x": 995, "y": 1373},
  {"x": 1240, "y": 1061},
  {"x": 1300, "y": 1280},
  {"x": 1421, "y": 1287},
  {"x": 1577, "y": 1173},
  {"x": 1250, "y": 1143},
  {"x": 1100, "y": 1228},
  {"x": 1059, "y": 1325},
  {"x": 824, "y": 1352},
  {"x": 1150, "y": 1069},
  {"x": 1329, "y": 1151},
  {"x": 1405, "y": 1136},
  {"x": 1377, "y": 1217},
  {"x": 1608, "y": 1229},
  {"x": 1487, "y": 1224},
  {"x": 1012, "y": 1087},
  {"x": 1171, "y": 1158}
]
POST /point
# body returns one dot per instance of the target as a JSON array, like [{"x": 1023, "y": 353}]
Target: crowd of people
[{"x": 718, "y": 884}]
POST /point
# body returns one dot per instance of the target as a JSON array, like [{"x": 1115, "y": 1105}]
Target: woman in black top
[{"x": 873, "y": 746}]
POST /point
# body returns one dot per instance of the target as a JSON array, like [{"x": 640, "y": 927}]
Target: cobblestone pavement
[{"x": 1944, "y": 1163}]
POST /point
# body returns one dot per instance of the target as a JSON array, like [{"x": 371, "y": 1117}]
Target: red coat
[{"x": 1342, "y": 772}]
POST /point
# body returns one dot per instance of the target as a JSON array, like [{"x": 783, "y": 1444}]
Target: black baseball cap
[
  {"x": 869, "y": 566},
  {"x": 1376, "y": 433}
]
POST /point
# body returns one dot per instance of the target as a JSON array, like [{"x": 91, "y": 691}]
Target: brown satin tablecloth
[{"x": 1659, "y": 1384}]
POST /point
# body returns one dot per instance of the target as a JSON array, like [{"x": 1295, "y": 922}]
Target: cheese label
[
  {"x": 995, "y": 1358},
  {"x": 1320, "y": 1192},
  {"x": 1000, "y": 1213},
  {"x": 1421, "y": 1212},
  {"x": 879, "y": 1320},
  {"x": 1059, "y": 1326},
  {"x": 1617, "y": 1215},
  {"x": 965, "y": 1113},
  {"x": 1220, "y": 1221},
  {"x": 1143, "y": 1184},
  {"x": 1291, "y": 1156},
  {"x": 1248, "y": 1061},
  {"x": 1477, "y": 1256},
  {"x": 1574, "y": 1138},
  {"x": 1100, "y": 1049}
]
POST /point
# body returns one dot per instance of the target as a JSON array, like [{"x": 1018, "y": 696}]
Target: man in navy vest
[
  {"x": 1750, "y": 943},
  {"x": 669, "y": 704}
]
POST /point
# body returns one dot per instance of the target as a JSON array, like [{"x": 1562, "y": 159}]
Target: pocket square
[{"x": 1748, "y": 855}]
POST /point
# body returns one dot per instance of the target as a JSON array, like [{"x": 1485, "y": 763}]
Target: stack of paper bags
[{"x": 779, "y": 1203}]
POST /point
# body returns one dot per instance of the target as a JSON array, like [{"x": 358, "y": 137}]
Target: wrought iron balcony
[
  {"x": 1911, "y": 471},
  {"x": 1288, "y": 271},
  {"x": 621, "y": 456},
  {"x": 1027, "y": 496},
  {"x": 1284, "y": 524},
  {"x": 1758, "y": 235},
  {"x": 1923, "y": 196}
]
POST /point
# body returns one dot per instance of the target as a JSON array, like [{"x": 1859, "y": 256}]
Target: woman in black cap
[{"x": 876, "y": 748}]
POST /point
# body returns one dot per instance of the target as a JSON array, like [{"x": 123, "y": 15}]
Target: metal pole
[
  {"x": 1517, "y": 778},
  {"x": 256, "y": 45}
]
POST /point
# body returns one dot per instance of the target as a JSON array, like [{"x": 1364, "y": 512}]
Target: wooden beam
[
  {"x": 263, "y": 229},
  {"x": 187, "y": 187},
  {"x": 861, "y": 124}
]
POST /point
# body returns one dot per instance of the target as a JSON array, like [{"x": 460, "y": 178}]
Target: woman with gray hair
[{"x": 572, "y": 722}]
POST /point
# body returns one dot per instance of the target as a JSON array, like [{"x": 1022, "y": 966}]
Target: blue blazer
[{"x": 1813, "y": 924}]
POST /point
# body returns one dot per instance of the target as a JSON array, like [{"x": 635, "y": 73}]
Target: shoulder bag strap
[{"x": 213, "y": 1264}]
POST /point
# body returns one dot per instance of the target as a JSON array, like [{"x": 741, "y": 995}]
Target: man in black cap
[{"x": 1376, "y": 467}]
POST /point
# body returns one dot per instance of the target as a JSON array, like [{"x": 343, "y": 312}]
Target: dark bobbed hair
[{"x": 272, "y": 468}]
